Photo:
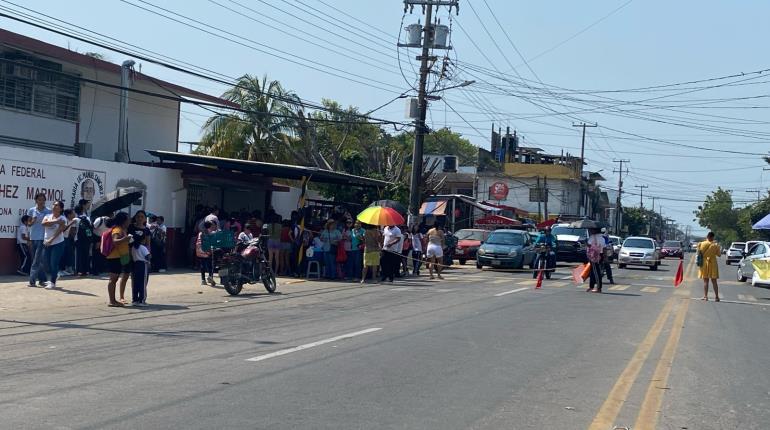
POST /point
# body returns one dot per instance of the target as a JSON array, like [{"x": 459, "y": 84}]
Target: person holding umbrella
[
  {"x": 393, "y": 240},
  {"x": 595, "y": 251}
]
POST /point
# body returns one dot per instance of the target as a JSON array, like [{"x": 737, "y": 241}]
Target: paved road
[{"x": 481, "y": 350}]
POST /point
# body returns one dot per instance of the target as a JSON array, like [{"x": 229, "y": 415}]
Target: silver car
[
  {"x": 639, "y": 251},
  {"x": 735, "y": 252}
]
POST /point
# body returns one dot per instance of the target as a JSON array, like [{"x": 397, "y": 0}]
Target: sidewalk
[{"x": 163, "y": 288}]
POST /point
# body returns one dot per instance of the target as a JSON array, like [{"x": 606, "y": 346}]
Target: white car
[
  {"x": 759, "y": 251},
  {"x": 616, "y": 245},
  {"x": 735, "y": 252},
  {"x": 639, "y": 251}
]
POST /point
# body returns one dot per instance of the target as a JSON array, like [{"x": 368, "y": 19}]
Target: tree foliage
[{"x": 274, "y": 126}]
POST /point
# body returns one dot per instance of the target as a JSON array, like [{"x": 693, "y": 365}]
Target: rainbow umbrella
[{"x": 378, "y": 215}]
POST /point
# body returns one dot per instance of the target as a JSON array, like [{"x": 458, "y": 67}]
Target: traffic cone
[
  {"x": 679, "y": 275},
  {"x": 539, "y": 280}
]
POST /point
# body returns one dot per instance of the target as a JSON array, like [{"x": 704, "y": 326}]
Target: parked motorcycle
[
  {"x": 246, "y": 263},
  {"x": 543, "y": 262}
]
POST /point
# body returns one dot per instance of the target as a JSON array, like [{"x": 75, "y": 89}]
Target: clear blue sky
[{"x": 642, "y": 44}]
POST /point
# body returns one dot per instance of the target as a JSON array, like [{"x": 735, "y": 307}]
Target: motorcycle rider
[{"x": 549, "y": 240}]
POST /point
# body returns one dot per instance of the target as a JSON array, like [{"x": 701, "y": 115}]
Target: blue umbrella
[{"x": 763, "y": 224}]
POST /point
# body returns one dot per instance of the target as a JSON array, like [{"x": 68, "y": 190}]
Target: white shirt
[
  {"x": 72, "y": 231},
  {"x": 417, "y": 242},
  {"x": 596, "y": 240},
  {"x": 139, "y": 253},
  {"x": 245, "y": 237},
  {"x": 389, "y": 235},
  {"x": 22, "y": 231},
  {"x": 52, "y": 229},
  {"x": 100, "y": 225}
]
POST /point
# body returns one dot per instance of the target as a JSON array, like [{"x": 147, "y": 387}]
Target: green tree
[
  {"x": 264, "y": 131},
  {"x": 717, "y": 214},
  {"x": 635, "y": 220}
]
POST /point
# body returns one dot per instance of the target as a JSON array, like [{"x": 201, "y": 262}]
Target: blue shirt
[
  {"x": 547, "y": 240},
  {"x": 36, "y": 230}
]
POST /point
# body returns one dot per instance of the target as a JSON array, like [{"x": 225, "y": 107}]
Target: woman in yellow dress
[{"x": 710, "y": 250}]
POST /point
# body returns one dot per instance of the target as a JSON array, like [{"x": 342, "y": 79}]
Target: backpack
[
  {"x": 85, "y": 229},
  {"x": 106, "y": 245},
  {"x": 158, "y": 238}
]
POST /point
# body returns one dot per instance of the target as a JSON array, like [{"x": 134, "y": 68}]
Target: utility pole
[
  {"x": 756, "y": 190},
  {"x": 641, "y": 194},
  {"x": 582, "y": 160},
  {"x": 428, "y": 31},
  {"x": 545, "y": 198},
  {"x": 539, "y": 195},
  {"x": 618, "y": 204},
  {"x": 653, "y": 209}
]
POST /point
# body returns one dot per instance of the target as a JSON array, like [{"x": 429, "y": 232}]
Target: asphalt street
[{"x": 479, "y": 350}]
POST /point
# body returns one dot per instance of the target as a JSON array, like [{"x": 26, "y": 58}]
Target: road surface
[{"x": 480, "y": 350}]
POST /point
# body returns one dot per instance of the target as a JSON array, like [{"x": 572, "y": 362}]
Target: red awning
[{"x": 496, "y": 220}]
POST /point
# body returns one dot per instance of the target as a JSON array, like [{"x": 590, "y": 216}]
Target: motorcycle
[
  {"x": 246, "y": 263},
  {"x": 543, "y": 261}
]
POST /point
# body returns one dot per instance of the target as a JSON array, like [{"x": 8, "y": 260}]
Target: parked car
[
  {"x": 468, "y": 242},
  {"x": 571, "y": 243},
  {"x": 617, "y": 242},
  {"x": 506, "y": 248},
  {"x": 673, "y": 249},
  {"x": 749, "y": 245},
  {"x": 735, "y": 252},
  {"x": 759, "y": 251},
  {"x": 639, "y": 251}
]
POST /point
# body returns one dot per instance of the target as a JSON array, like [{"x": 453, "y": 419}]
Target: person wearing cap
[
  {"x": 547, "y": 239},
  {"x": 607, "y": 260}
]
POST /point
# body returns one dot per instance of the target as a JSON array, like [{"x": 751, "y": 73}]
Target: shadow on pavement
[{"x": 75, "y": 292}]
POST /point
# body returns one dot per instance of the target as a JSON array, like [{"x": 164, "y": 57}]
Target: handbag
[{"x": 699, "y": 259}]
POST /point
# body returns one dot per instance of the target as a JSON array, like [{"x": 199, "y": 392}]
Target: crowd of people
[
  {"x": 342, "y": 248},
  {"x": 55, "y": 242}
]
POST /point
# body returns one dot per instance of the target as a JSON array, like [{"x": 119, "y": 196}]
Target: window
[
  {"x": 639, "y": 243},
  {"x": 25, "y": 85},
  {"x": 499, "y": 238},
  {"x": 758, "y": 250},
  {"x": 581, "y": 232}
]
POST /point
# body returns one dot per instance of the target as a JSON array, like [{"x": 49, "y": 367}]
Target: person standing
[
  {"x": 36, "y": 235},
  {"x": 204, "y": 256},
  {"x": 54, "y": 224},
  {"x": 435, "y": 251},
  {"x": 547, "y": 239},
  {"x": 708, "y": 269},
  {"x": 330, "y": 238},
  {"x": 84, "y": 242},
  {"x": 392, "y": 244},
  {"x": 594, "y": 252},
  {"x": 22, "y": 246},
  {"x": 118, "y": 259},
  {"x": 158, "y": 245},
  {"x": 417, "y": 249},
  {"x": 607, "y": 256},
  {"x": 346, "y": 242},
  {"x": 372, "y": 250},
  {"x": 67, "y": 265},
  {"x": 355, "y": 257},
  {"x": 213, "y": 218},
  {"x": 139, "y": 257},
  {"x": 98, "y": 260}
]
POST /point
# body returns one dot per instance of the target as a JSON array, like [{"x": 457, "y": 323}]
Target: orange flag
[
  {"x": 580, "y": 273},
  {"x": 539, "y": 280},
  {"x": 679, "y": 275}
]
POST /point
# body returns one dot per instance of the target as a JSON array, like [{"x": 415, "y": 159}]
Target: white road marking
[
  {"x": 618, "y": 287},
  {"x": 510, "y": 292},
  {"x": 312, "y": 344},
  {"x": 435, "y": 290},
  {"x": 650, "y": 289},
  {"x": 747, "y": 297},
  {"x": 501, "y": 281}
]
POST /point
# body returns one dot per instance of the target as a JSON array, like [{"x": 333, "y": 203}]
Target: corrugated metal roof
[{"x": 275, "y": 170}]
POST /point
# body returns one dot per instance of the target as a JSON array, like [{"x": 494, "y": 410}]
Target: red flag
[
  {"x": 539, "y": 280},
  {"x": 577, "y": 274},
  {"x": 679, "y": 276}
]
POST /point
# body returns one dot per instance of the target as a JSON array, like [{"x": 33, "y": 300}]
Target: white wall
[
  {"x": 23, "y": 125},
  {"x": 562, "y": 197},
  {"x": 61, "y": 176},
  {"x": 152, "y": 121},
  {"x": 285, "y": 202}
]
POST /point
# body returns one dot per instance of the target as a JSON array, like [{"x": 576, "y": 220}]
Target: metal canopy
[{"x": 274, "y": 170}]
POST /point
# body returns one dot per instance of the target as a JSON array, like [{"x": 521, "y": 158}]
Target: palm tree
[{"x": 265, "y": 129}]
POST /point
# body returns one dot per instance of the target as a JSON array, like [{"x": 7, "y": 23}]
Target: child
[
  {"x": 207, "y": 267},
  {"x": 140, "y": 274},
  {"x": 23, "y": 246}
]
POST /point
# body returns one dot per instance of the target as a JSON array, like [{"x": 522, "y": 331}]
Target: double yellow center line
[{"x": 650, "y": 409}]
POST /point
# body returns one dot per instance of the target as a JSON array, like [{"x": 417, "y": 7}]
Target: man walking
[
  {"x": 36, "y": 236},
  {"x": 607, "y": 259}
]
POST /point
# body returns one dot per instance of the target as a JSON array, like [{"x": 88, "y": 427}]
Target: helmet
[{"x": 604, "y": 229}]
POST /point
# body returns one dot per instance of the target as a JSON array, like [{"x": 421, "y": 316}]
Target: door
[{"x": 757, "y": 253}]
